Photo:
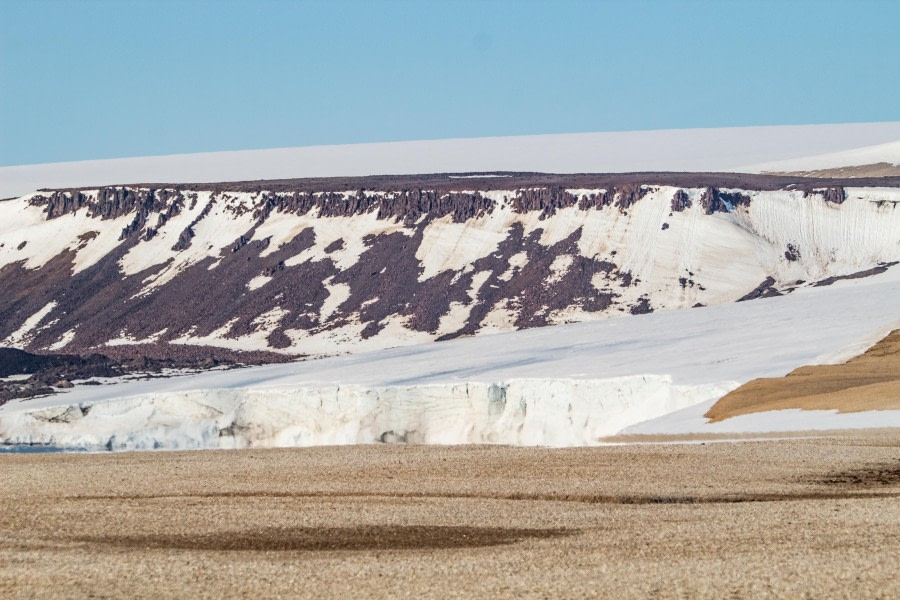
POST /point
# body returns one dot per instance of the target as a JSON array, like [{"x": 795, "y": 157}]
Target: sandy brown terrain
[
  {"x": 870, "y": 381},
  {"x": 800, "y": 518},
  {"x": 881, "y": 169}
]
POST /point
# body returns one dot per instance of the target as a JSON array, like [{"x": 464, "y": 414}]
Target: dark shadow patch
[
  {"x": 626, "y": 499},
  {"x": 873, "y": 476},
  {"x": 324, "y": 539}
]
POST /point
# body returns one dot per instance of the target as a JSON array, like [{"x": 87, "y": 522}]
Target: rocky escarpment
[
  {"x": 316, "y": 267},
  {"x": 26, "y": 375},
  {"x": 714, "y": 200}
]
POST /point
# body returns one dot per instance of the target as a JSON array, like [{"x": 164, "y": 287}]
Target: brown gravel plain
[{"x": 817, "y": 518}]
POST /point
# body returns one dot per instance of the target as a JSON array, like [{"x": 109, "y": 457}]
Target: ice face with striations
[{"x": 549, "y": 412}]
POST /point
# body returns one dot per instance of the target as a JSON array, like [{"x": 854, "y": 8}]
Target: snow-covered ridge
[
  {"x": 881, "y": 153},
  {"x": 328, "y": 272},
  {"x": 699, "y": 150}
]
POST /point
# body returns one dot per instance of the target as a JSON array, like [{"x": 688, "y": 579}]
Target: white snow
[
  {"x": 868, "y": 155},
  {"x": 718, "y": 149},
  {"x": 64, "y": 340},
  {"x": 561, "y": 385},
  {"x": 126, "y": 340},
  {"x": 20, "y": 336},
  {"x": 258, "y": 281},
  {"x": 559, "y": 267},
  {"x": 337, "y": 294},
  {"x": 690, "y": 420},
  {"x": 42, "y": 239}
]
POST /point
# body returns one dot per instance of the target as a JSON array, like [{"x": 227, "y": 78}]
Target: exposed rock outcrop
[
  {"x": 835, "y": 195},
  {"x": 714, "y": 200},
  {"x": 680, "y": 201}
]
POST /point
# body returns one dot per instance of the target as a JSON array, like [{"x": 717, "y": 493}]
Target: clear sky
[{"x": 103, "y": 79}]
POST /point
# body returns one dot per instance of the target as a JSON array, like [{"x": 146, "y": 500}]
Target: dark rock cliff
[{"x": 384, "y": 281}]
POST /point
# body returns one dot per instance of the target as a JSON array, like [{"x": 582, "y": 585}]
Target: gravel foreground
[{"x": 792, "y": 518}]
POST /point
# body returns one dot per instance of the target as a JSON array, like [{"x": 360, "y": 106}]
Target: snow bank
[
  {"x": 868, "y": 155},
  {"x": 690, "y": 421}
]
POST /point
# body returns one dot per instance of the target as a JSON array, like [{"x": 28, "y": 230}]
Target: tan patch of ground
[
  {"x": 870, "y": 381},
  {"x": 881, "y": 169},
  {"x": 799, "y": 518},
  {"x": 668, "y": 438}
]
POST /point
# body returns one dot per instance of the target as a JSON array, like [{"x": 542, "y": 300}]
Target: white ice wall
[{"x": 550, "y": 412}]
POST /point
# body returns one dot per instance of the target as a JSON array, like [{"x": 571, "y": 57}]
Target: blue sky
[{"x": 97, "y": 79}]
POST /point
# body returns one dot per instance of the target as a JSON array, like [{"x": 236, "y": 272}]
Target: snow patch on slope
[
  {"x": 30, "y": 237},
  {"x": 20, "y": 336}
]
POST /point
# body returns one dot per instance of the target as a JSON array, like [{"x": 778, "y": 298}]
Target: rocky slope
[{"x": 313, "y": 267}]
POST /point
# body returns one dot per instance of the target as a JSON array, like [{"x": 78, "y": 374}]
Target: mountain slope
[{"x": 313, "y": 267}]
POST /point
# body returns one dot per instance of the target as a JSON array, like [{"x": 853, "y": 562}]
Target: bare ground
[
  {"x": 517, "y": 180},
  {"x": 882, "y": 169},
  {"x": 870, "y": 381},
  {"x": 798, "y": 518}
]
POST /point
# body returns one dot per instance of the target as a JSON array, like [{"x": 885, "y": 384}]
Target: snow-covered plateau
[
  {"x": 744, "y": 149},
  {"x": 560, "y": 386}
]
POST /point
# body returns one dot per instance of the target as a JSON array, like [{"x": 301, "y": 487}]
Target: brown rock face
[
  {"x": 792, "y": 254},
  {"x": 680, "y": 201},
  {"x": 628, "y": 195},
  {"x": 714, "y": 200},
  {"x": 407, "y": 205},
  {"x": 545, "y": 200},
  {"x": 766, "y": 289},
  {"x": 835, "y": 195}
]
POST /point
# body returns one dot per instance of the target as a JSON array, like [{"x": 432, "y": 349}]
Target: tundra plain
[{"x": 798, "y": 518}]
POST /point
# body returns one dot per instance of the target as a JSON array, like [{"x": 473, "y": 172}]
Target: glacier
[
  {"x": 565, "y": 385},
  {"x": 546, "y": 412}
]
